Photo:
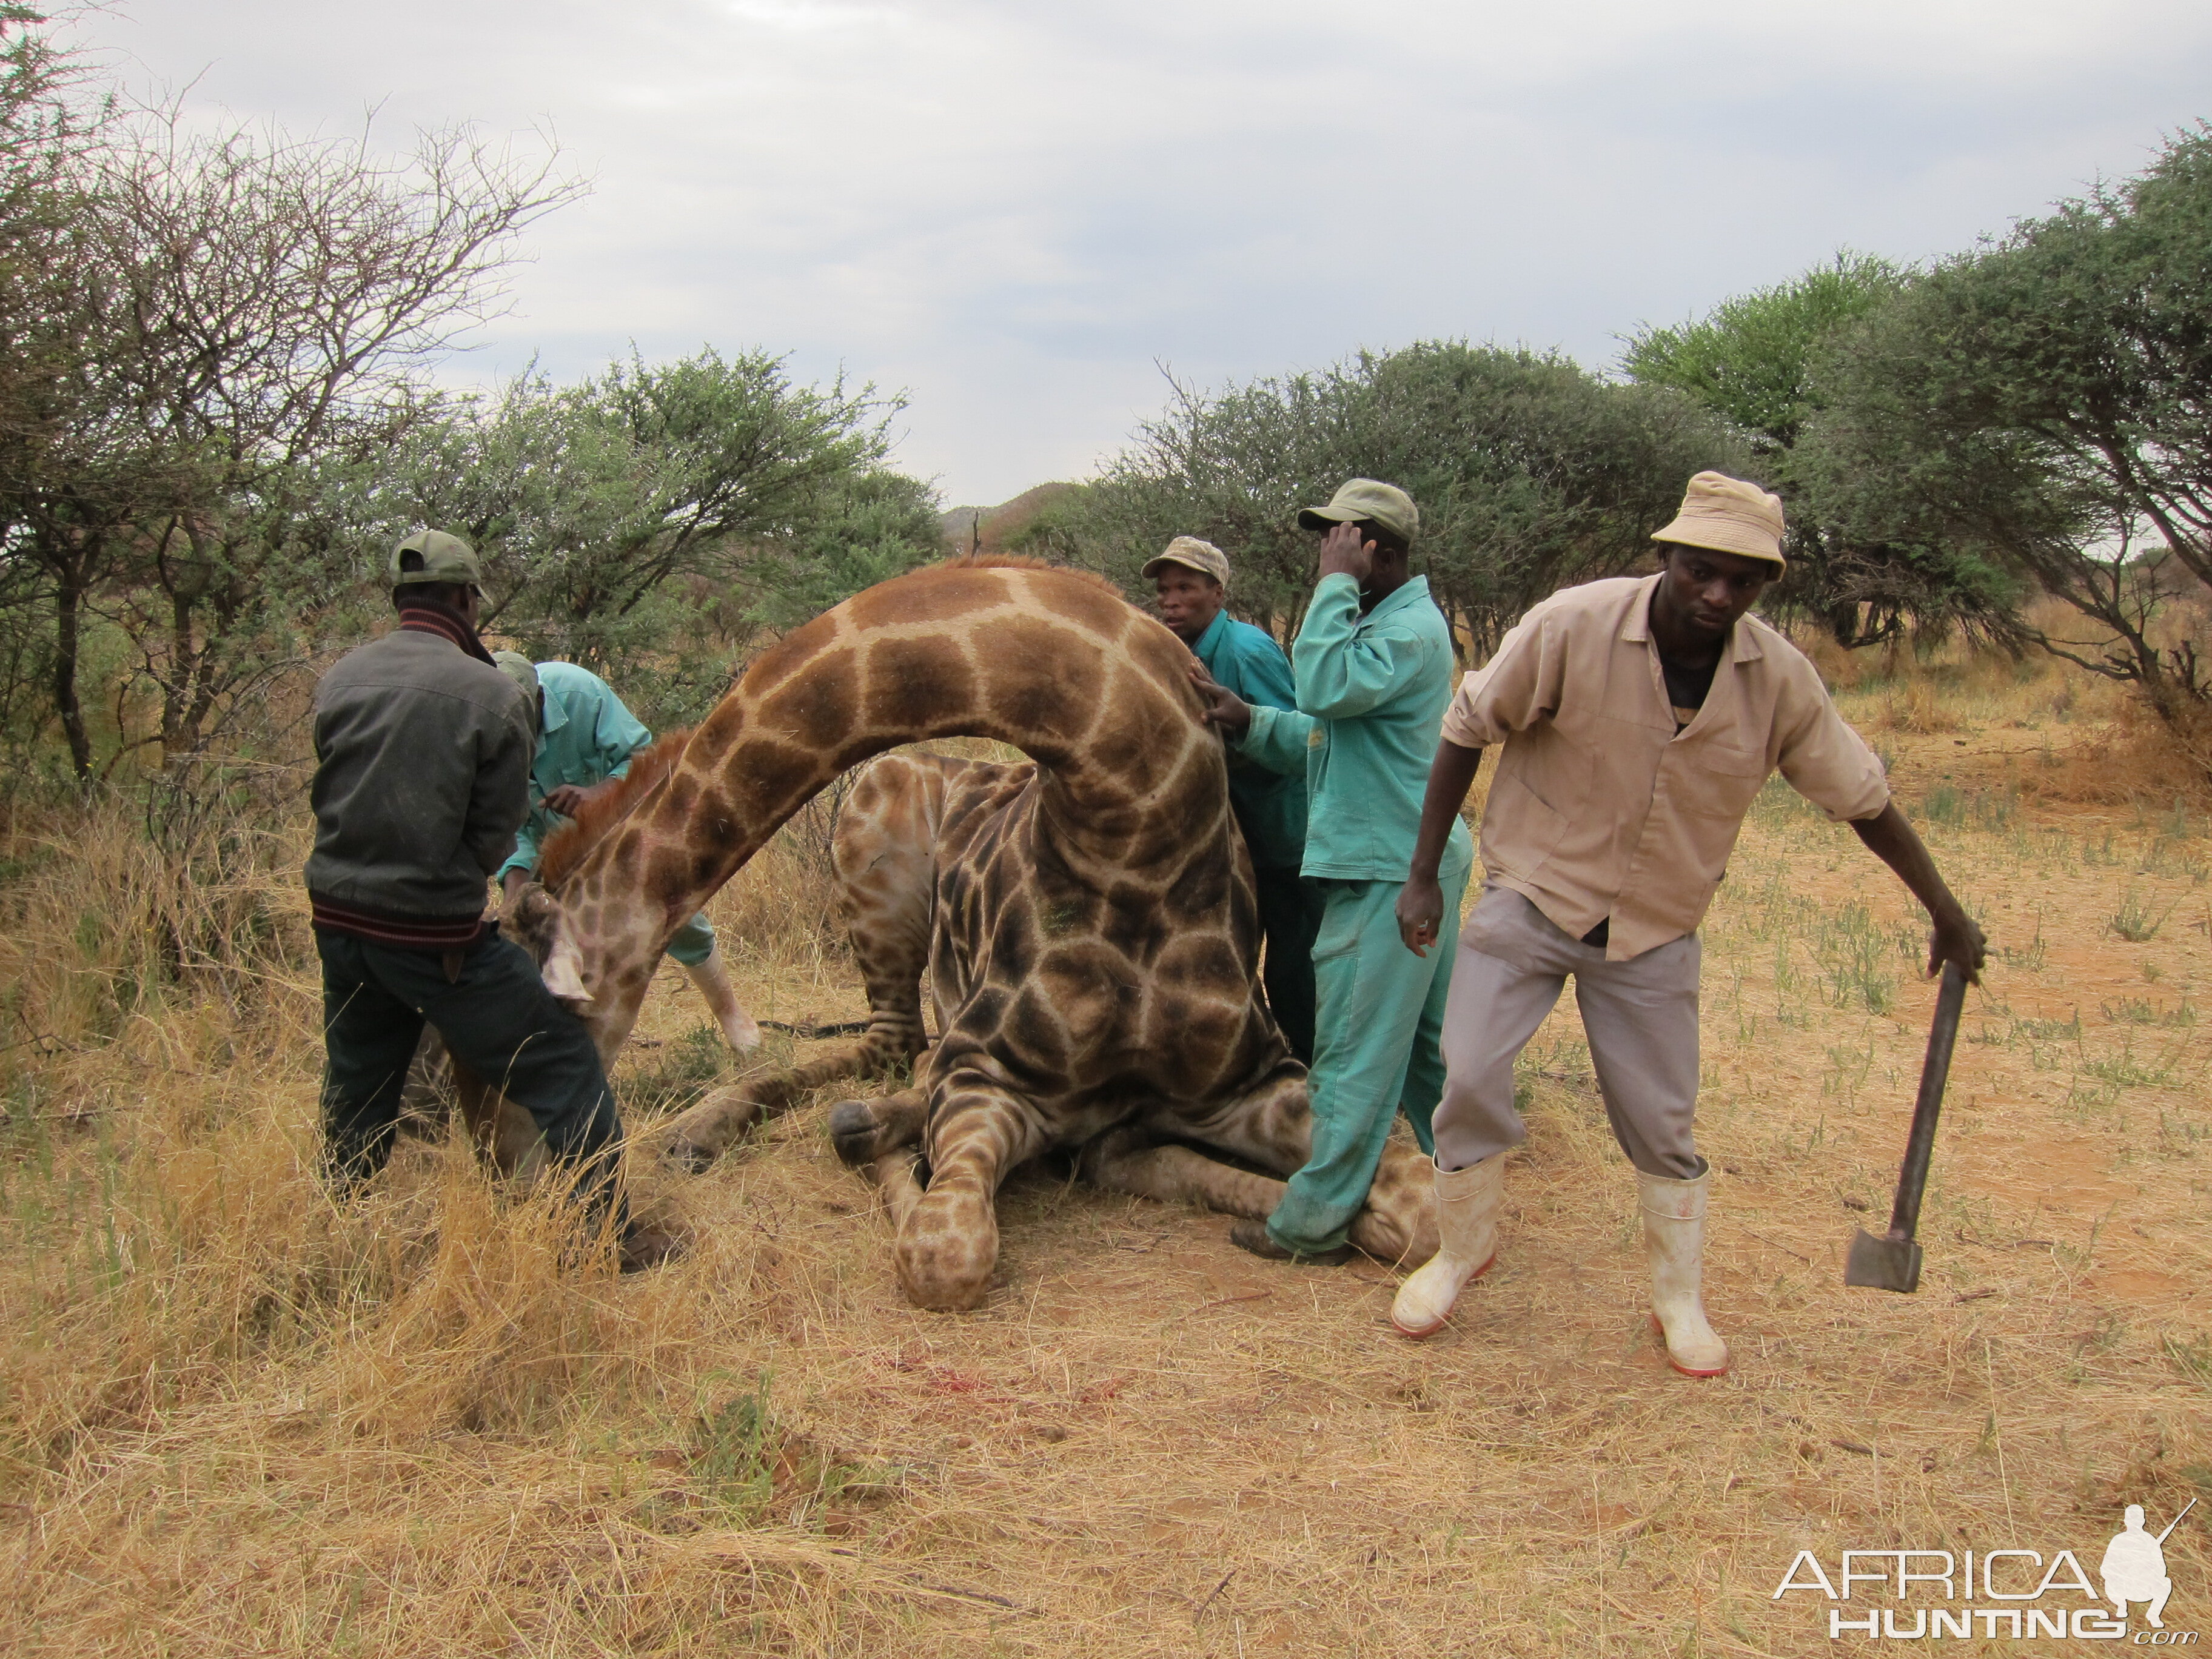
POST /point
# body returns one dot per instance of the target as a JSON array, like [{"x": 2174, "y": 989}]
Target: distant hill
[{"x": 987, "y": 528}]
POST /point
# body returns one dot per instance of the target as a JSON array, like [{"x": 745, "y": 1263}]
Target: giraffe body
[{"x": 1087, "y": 919}]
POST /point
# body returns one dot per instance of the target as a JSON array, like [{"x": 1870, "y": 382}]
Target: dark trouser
[
  {"x": 498, "y": 1020},
  {"x": 1290, "y": 916}
]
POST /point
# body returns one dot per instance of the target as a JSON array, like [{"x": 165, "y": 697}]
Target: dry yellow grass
[{"x": 233, "y": 1421}]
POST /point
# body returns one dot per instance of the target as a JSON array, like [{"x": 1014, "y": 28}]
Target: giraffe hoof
[
  {"x": 688, "y": 1156},
  {"x": 852, "y": 1132}
]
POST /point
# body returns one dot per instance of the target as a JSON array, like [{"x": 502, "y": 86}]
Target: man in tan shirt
[{"x": 1639, "y": 718}]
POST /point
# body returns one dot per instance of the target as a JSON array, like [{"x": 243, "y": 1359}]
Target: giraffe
[
  {"x": 1092, "y": 940},
  {"x": 884, "y": 852}
]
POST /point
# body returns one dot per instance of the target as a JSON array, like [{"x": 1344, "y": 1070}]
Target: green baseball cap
[
  {"x": 445, "y": 559},
  {"x": 1359, "y": 501},
  {"x": 518, "y": 668}
]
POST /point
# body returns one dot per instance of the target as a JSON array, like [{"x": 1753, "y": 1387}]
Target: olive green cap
[
  {"x": 518, "y": 668},
  {"x": 445, "y": 559},
  {"x": 1365, "y": 500}
]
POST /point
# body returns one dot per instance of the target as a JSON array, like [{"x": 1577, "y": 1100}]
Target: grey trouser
[{"x": 1640, "y": 1015}]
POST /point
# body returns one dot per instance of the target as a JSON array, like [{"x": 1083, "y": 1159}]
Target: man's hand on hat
[
  {"x": 1345, "y": 553},
  {"x": 1223, "y": 707}
]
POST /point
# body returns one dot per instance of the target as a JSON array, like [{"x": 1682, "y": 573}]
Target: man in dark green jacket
[
  {"x": 423, "y": 749},
  {"x": 1190, "y": 580}
]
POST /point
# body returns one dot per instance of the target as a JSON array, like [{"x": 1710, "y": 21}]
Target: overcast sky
[{"x": 1012, "y": 211}]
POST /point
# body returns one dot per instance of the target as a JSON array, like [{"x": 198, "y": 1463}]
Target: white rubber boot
[
  {"x": 1467, "y": 1223},
  {"x": 1674, "y": 1237},
  {"x": 713, "y": 979}
]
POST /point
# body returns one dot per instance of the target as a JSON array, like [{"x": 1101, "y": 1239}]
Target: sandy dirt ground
[{"x": 237, "y": 1422}]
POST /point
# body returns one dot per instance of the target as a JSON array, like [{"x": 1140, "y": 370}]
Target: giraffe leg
[
  {"x": 865, "y": 1130},
  {"x": 949, "y": 1242},
  {"x": 884, "y": 851},
  {"x": 1125, "y": 1161},
  {"x": 898, "y": 1174},
  {"x": 1272, "y": 1127},
  {"x": 506, "y": 1136},
  {"x": 427, "y": 1099},
  {"x": 708, "y": 1129},
  {"x": 1398, "y": 1223}
]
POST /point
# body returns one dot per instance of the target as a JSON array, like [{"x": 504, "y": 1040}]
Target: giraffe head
[{"x": 561, "y": 934}]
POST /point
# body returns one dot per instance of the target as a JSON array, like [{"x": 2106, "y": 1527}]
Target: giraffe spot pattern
[{"x": 1086, "y": 918}]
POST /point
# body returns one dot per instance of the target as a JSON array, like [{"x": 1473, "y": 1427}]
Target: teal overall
[
  {"x": 1271, "y": 812},
  {"x": 1371, "y": 693}
]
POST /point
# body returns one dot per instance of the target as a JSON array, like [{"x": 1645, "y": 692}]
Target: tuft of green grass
[
  {"x": 2141, "y": 1011},
  {"x": 2127, "y": 1070},
  {"x": 733, "y": 1452},
  {"x": 2134, "y": 921},
  {"x": 1955, "y": 808},
  {"x": 743, "y": 1459},
  {"x": 677, "y": 1076},
  {"x": 1857, "y": 953},
  {"x": 2192, "y": 1358}
]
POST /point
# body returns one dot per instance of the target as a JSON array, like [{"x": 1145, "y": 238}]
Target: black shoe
[{"x": 1254, "y": 1236}]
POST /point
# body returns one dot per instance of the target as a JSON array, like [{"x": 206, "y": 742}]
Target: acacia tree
[
  {"x": 727, "y": 459},
  {"x": 54, "y": 547},
  {"x": 1754, "y": 362},
  {"x": 230, "y": 321},
  {"x": 266, "y": 311},
  {"x": 1233, "y": 467},
  {"x": 618, "y": 515},
  {"x": 2047, "y": 402},
  {"x": 1528, "y": 471}
]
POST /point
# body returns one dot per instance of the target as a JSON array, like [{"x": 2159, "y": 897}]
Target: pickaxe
[{"x": 1892, "y": 1262}]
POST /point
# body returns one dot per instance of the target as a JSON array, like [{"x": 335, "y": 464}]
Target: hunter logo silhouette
[{"x": 2133, "y": 1567}]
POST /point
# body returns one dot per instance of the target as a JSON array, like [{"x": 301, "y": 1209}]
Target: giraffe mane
[
  {"x": 564, "y": 849},
  {"x": 1023, "y": 561}
]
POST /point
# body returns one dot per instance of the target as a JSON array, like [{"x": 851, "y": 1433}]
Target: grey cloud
[{"x": 1012, "y": 209}]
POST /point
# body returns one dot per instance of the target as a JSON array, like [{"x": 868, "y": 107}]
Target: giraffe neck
[{"x": 1051, "y": 661}]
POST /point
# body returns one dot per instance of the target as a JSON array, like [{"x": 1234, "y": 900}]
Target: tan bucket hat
[
  {"x": 1729, "y": 516},
  {"x": 1365, "y": 500},
  {"x": 1193, "y": 553}
]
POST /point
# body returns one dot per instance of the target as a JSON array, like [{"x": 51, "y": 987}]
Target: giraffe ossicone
[{"x": 1086, "y": 918}]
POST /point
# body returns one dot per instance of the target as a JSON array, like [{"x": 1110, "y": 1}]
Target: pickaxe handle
[{"x": 1935, "y": 1071}]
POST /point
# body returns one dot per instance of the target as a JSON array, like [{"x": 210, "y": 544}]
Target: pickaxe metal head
[{"x": 1891, "y": 1262}]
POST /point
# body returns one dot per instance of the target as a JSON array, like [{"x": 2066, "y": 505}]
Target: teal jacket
[
  {"x": 1371, "y": 694},
  {"x": 1270, "y": 807},
  {"x": 587, "y": 736}
]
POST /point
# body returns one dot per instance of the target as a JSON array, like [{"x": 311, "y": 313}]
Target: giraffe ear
[{"x": 563, "y": 972}]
